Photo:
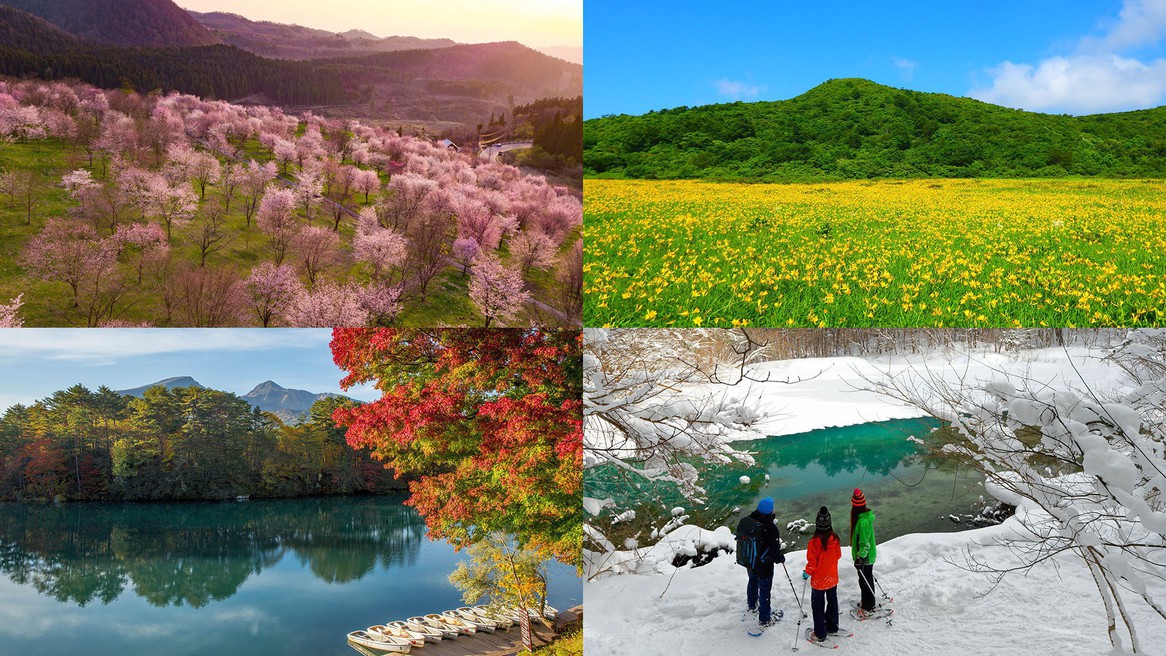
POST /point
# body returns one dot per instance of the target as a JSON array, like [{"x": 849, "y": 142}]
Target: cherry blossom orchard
[{"x": 123, "y": 209}]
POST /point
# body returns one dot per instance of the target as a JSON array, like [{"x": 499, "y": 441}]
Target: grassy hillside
[{"x": 853, "y": 129}]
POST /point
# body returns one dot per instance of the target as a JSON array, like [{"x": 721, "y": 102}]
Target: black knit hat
[{"x": 822, "y": 523}]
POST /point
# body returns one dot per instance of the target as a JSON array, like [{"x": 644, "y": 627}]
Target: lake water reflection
[{"x": 282, "y": 576}]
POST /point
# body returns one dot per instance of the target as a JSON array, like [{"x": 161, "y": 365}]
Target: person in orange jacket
[{"x": 822, "y": 555}]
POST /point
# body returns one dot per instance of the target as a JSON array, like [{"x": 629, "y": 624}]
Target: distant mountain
[
  {"x": 484, "y": 70},
  {"x": 573, "y": 54},
  {"x": 31, "y": 46},
  {"x": 171, "y": 383},
  {"x": 853, "y": 128},
  {"x": 159, "y": 23},
  {"x": 359, "y": 34},
  {"x": 282, "y": 41},
  {"x": 290, "y": 405}
]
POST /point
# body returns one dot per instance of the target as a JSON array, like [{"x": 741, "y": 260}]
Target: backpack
[{"x": 752, "y": 549}]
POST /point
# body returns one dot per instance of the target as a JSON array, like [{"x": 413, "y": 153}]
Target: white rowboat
[
  {"x": 468, "y": 616},
  {"x": 454, "y": 621},
  {"x": 429, "y": 633},
  {"x": 437, "y": 625},
  {"x": 383, "y": 631},
  {"x": 392, "y": 645},
  {"x": 504, "y": 621}
]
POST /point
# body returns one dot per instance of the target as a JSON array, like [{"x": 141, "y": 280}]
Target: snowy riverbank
[
  {"x": 830, "y": 392},
  {"x": 939, "y": 607}
]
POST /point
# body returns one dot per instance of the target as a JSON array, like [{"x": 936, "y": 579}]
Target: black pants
[
  {"x": 824, "y": 604},
  {"x": 866, "y": 584}
]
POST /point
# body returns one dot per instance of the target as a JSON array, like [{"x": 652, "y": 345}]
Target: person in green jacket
[{"x": 862, "y": 548}]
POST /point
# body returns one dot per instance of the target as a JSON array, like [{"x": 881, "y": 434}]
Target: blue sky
[
  {"x": 1070, "y": 56},
  {"x": 34, "y": 363}
]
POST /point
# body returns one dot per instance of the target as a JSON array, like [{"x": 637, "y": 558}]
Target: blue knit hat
[{"x": 765, "y": 506}]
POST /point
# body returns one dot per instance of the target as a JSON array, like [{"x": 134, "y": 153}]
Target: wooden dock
[{"x": 498, "y": 643}]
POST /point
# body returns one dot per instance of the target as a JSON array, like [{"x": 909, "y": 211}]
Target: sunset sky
[{"x": 536, "y": 23}]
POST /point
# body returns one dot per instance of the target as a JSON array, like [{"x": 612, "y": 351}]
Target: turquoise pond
[
  {"x": 909, "y": 490},
  {"x": 283, "y": 577}
]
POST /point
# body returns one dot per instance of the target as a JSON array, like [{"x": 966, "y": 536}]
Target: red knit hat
[{"x": 858, "y": 499}]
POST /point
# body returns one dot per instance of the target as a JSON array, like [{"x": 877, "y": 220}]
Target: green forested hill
[{"x": 854, "y": 128}]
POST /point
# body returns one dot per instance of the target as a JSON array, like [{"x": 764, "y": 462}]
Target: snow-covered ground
[
  {"x": 1052, "y": 608},
  {"x": 939, "y": 608},
  {"x": 830, "y": 393}
]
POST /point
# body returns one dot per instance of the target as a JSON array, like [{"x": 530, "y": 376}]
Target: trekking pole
[
  {"x": 883, "y": 592},
  {"x": 798, "y": 631},
  {"x": 793, "y": 590}
]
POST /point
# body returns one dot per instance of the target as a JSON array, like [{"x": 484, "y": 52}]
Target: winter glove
[
  {"x": 780, "y": 558},
  {"x": 805, "y": 576},
  {"x": 861, "y": 561}
]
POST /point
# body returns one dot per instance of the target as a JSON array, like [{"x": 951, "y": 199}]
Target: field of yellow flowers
[{"x": 887, "y": 253}]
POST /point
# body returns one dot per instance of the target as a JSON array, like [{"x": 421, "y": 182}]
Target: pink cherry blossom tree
[
  {"x": 141, "y": 245},
  {"x": 273, "y": 289},
  {"x": 255, "y": 181},
  {"x": 497, "y": 290},
  {"x": 367, "y": 182},
  {"x": 317, "y": 248},
  {"x": 383, "y": 249},
  {"x": 381, "y": 301},
  {"x": 9, "y": 314},
  {"x": 276, "y": 218},
  {"x": 533, "y": 248},
  {"x": 465, "y": 251},
  {"x": 329, "y": 305}
]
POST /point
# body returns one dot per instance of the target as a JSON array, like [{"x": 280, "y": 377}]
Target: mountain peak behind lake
[{"x": 290, "y": 405}]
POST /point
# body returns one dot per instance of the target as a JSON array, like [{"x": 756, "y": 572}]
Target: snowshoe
[
  {"x": 813, "y": 640},
  {"x": 876, "y": 614}
]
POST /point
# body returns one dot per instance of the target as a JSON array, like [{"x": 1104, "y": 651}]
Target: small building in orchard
[{"x": 446, "y": 143}]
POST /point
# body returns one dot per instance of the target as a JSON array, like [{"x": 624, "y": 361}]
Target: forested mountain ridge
[
  {"x": 854, "y": 128},
  {"x": 282, "y": 41},
  {"x": 32, "y": 47},
  {"x": 479, "y": 69},
  {"x": 155, "y": 23}
]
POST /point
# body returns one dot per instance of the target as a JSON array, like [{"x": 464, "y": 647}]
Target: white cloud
[
  {"x": 906, "y": 67},
  {"x": 1140, "y": 22},
  {"x": 738, "y": 90},
  {"x": 1078, "y": 84},
  {"x": 111, "y": 344},
  {"x": 1101, "y": 75}
]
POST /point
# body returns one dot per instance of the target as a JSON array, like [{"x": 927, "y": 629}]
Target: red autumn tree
[{"x": 488, "y": 421}]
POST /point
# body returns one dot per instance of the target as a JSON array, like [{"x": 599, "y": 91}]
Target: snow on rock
[
  {"x": 745, "y": 480},
  {"x": 800, "y": 525},
  {"x": 596, "y": 506},
  {"x": 939, "y": 607}
]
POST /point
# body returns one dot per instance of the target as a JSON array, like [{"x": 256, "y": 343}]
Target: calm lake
[
  {"x": 258, "y": 577},
  {"x": 909, "y": 491}
]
